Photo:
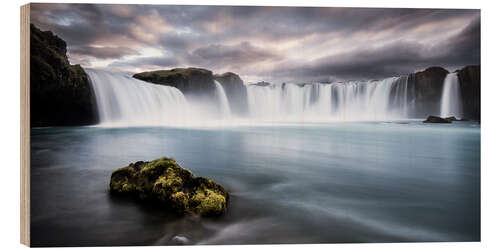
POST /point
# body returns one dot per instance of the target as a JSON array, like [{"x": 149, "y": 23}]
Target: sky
[{"x": 276, "y": 44}]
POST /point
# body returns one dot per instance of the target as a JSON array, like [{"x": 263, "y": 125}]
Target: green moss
[
  {"x": 173, "y": 180},
  {"x": 165, "y": 181},
  {"x": 121, "y": 185},
  {"x": 209, "y": 202},
  {"x": 180, "y": 201}
]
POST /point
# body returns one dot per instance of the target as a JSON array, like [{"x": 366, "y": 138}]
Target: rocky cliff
[
  {"x": 426, "y": 87},
  {"x": 61, "y": 94},
  {"x": 200, "y": 82},
  {"x": 236, "y": 92},
  {"x": 470, "y": 87},
  {"x": 187, "y": 80}
]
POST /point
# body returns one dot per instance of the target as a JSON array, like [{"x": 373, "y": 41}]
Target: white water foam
[
  {"x": 451, "y": 100},
  {"x": 125, "y": 101},
  {"x": 224, "y": 108}
]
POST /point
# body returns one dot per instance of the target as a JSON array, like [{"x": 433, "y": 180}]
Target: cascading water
[
  {"x": 451, "y": 99},
  {"x": 399, "y": 97},
  {"x": 337, "y": 101},
  {"x": 324, "y": 98},
  {"x": 290, "y": 101},
  {"x": 365, "y": 100},
  {"x": 122, "y": 100},
  {"x": 125, "y": 101},
  {"x": 223, "y": 101}
]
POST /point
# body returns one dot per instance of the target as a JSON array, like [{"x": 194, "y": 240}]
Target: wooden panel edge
[{"x": 25, "y": 124}]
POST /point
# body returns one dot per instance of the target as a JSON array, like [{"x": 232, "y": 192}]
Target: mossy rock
[
  {"x": 187, "y": 80},
  {"x": 163, "y": 180}
]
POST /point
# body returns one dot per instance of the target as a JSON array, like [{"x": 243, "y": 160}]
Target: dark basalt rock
[
  {"x": 451, "y": 119},
  {"x": 236, "y": 92},
  {"x": 60, "y": 93},
  {"x": 164, "y": 181},
  {"x": 426, "y": 88},
  {"x": 470, "y": 88},
  {"x": 187, "y": 80},
  {"x": 437, "y": 119}
]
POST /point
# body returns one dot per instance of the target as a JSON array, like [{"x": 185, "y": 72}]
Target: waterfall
[
  {"x": 356, "y": 100},
  {"x": 451, "y": 99},
  {"x": 399, "y": 97},
  {"x": 324, "y": 101},
  {"x": 125, "y": 101},
  {"x": 365, "y": 100},
  {"x": 223, "y": 101}
]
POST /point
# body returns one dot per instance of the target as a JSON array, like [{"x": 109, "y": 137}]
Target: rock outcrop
[
  {"x": 470, "y": 88},
  {"x": 236, "y": 92},
  {"x": 164, "y": 181},
  {"x": 199, "y": 83},
  {"x": 187, "y": 80},
  {"x": 426, "y": 88},
  {"x": 451, "y": 119},
  {"x": 437, "y": 119},
  {"x": 60, "y": 93}
]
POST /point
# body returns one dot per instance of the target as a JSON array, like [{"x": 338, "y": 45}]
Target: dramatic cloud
[
  {"x": 265, "y": 43},
  {"x": 147, "y": 63},
  {"x": 391, "y": 59},
  {"x": 235, "y": 56},
  {"x": 103, "y": 52}
]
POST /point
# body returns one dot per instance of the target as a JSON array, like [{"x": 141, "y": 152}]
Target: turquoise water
[{"x": 289, "y": 183}]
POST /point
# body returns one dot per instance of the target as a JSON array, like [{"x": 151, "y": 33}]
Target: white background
[{"x": 490, "y": 29}]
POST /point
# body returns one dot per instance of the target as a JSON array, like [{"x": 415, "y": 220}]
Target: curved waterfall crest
[{"x": 125, "y": 101}]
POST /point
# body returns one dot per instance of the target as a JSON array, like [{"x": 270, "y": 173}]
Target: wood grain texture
[{"x": 25, "y": 124}]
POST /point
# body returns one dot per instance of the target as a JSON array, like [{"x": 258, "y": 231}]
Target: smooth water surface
[{"x": 289, "y": 183}]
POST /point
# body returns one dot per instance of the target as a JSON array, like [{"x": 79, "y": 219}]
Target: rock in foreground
[
  {"x": 437, "y": 119},
  {"x": 165, "y": 181}
]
